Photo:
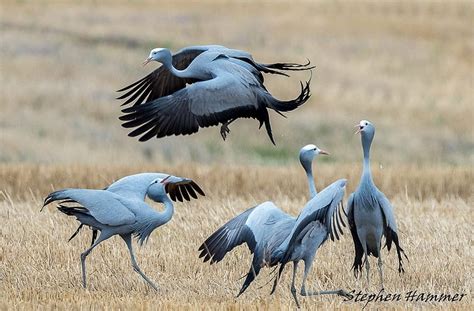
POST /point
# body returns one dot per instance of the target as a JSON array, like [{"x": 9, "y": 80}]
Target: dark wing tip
[{"x": 197, "y": 188}]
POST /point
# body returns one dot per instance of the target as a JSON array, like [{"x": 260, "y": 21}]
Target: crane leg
[
  {"x": 225, "y": 128},
  {"x": 293, "y": 288},
  {"x": 101, "y": 238},
  {"x": 304, "y": 292},
  {"x": 380, "y": 266},
  {"x": 136, "y": 268},
  {"x": 339, "y": 292},
  {"x": 307, "y": 268},
  {"x": 367, "y": 268}
]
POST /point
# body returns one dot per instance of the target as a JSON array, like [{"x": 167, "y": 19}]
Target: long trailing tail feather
[
  {"x": 277, "y": 278},
  {"x": 400, "y": 250},
  {"x": 277, "y": 68},
  {"x": 251, "y": 275},
  {"x": 75, "y": 233},
  {"x": 290, "y": 66},
  {"x": 290, "y": 105},
  {"x": 272, "y": 275}
]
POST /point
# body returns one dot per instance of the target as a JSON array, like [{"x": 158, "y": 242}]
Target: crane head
[
  {"x": 155, "y": 55},
  {"x": 308, "y": 152},
  {"x": 366, "y": 129},
  {"x": 307, "y": 155},
  {"x": 363, "y": 126}
]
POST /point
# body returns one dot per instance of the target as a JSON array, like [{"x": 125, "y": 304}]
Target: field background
[{"x": 406, "y": 66}]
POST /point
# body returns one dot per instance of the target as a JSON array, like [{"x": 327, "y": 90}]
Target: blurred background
[{"x": 407, "y": 66}]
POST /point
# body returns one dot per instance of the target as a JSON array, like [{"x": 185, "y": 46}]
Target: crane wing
[
  {"x": 359, "y": 251},
  {"x": 390, "y": 228},
  {"x": 179, "y": 188},
  {"x": 136, "y": 186},
  {"x": 201, "y": 104},
  {"x": 107, "y": 208},
  {"x": 161, "y": 82},
  {"x": 324, "y": 207},
  {"x": 230, "y": 235},
  {"x": 387, "y": 210},
  {"x": 250, "y": 227}
]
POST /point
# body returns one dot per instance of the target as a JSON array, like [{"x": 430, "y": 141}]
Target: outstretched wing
[
  {"x": 230, "y": 235},
  {"x": 179, "y": 188},
  {"x": 136, "y": 186},
  {"x": 207, "y": 103},
  {"x": 250, "y": 227},
  {"x": 324, "y": 207},
  {"x": 161, "y": 82},
  {"x": 106, "y": 207}
]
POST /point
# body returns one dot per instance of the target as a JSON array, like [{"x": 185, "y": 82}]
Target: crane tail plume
[
  {"x": 290, "y": 66},
  {"x": 284, "y": 106},
  {"x": 75, "y": 233},
  {"x": 277, "y": 277},
  {"x": 251, "y": 275},
  {"x": 393, "y": 236}
]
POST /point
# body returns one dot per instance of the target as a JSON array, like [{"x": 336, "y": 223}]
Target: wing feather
[
  {"x": 390, "y": 228},
  {"x": 323, "y": 208},
  {"x": 358, "y": 250},
  {"x": 161, "y": 82},
  {"x": 106, "y": 207},
  {"x": 202, "y": 104},
  {"x": 230, "y": 235}
]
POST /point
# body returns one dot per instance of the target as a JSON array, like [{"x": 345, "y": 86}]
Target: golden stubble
[{"x": 39, "y": 268}]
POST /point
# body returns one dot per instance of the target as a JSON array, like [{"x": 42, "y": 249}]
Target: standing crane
[
  {"x": 222, "y": 89},
  {"x": 370, "y": 214},
  {"x": 120, "y": 209}
]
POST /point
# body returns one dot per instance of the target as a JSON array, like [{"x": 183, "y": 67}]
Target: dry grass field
[
  {"x": 405, "y": 65},
  {"x": 40, "y": 268}
]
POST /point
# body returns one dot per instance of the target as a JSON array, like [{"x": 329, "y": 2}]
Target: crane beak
[
  {"x": 359, "y": 129},
  {"x": 321, "y": 151},
  {"x": 149, "y": 59},
  {"x": 163, "y": 181}
]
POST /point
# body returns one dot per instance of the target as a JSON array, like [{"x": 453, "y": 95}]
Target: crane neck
[
  {"x": 167, "y": 61},
  {"x": 311, "y": 184},
  {"x": 168, "y": 212},
  {"x": 366, "y": 143},
  {"x": 308, "y": 168}
]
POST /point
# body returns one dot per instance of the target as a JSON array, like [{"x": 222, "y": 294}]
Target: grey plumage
[
  {"x": 120, "y": 209},
  {"x": 161, "y": 82},
  {"x": 370, "y": 214},
  {"x": 265, "y": 228},
  {"x": 319, "y": 219},
  {"x": 220, "y": 89},
  {"x": 255, "y": 227}
]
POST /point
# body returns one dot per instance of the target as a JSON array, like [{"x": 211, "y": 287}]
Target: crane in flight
[{"x": 218, "y": 86}]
